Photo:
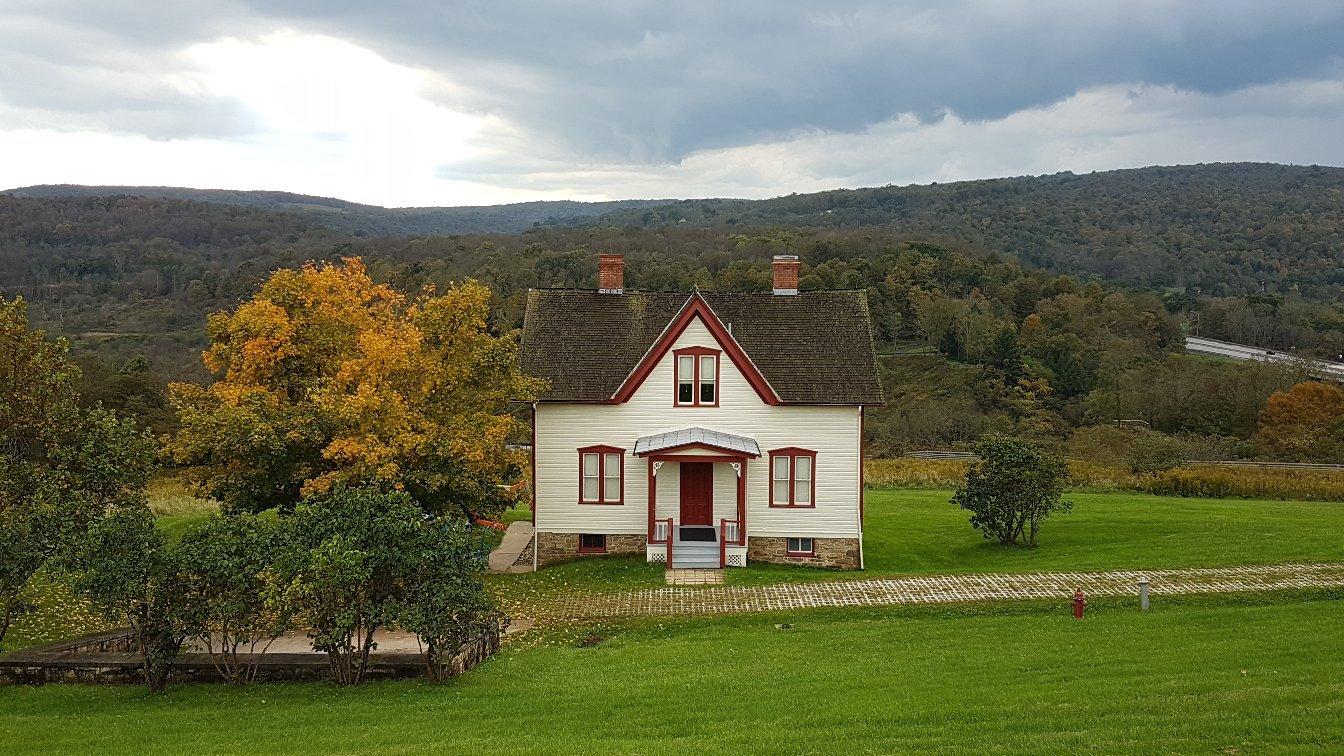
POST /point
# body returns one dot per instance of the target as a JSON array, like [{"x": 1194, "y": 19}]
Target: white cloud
[{"x": 328, "y": 117}]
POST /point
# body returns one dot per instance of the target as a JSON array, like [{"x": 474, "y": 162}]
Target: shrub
[
  {"x": 1011, "y": 489},
  {"x": 358, "y": 560},
  {"x": 223, "y": 600},
  {"x": 444, "y": 603},
  {"x": 127, "y": 569},
  {"x": 1154, "y": 452}
]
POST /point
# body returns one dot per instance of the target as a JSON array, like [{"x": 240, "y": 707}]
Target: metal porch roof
[{"x": 691, "y": 436}]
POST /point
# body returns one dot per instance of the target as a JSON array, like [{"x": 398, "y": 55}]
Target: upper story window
[
  {"x": 601, "y": 475},
  {"x": 697, "y": 377},
  {"x": 793, "y": 481}
]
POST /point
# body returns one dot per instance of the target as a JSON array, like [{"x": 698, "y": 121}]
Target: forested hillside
[
  {"x": 1229, "y": 229},
  {"x": 1219, "y": 229},
  {"x": 363, "y": 220},
  {"x": 974, "y": 340}
]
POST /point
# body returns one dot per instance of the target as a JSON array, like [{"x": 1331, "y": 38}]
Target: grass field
[
  {"x": 1214, "y": 674},
  {"x": 919, "y": 532},
  {"x": 1194, "y": 676}
]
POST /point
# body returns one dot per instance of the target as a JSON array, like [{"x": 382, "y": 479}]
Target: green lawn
[
  {"x": 919, "y": 532},
  {"x": 1193, "y": 676}
]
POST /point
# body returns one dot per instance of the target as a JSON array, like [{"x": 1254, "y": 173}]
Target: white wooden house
[{"x": 700, "y": 429}]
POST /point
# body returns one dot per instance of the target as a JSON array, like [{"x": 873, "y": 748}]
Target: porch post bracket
[
  {"x": 737, "y": 468},
  {"x": 656, "y": 464}
]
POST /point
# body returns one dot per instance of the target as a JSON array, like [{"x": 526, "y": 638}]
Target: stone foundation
[
  {"x": 562, "y": 547},
  {"x": 839, "y": 553}
]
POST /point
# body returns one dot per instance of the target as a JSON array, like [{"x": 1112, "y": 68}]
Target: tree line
[{"x": 976, "y": 340}]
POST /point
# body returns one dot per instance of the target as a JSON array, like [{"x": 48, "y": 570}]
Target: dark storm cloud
[{"x": 655, "y": 81}]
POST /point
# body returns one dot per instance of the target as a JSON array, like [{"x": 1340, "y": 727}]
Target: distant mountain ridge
[
  {"x": 1217, "y": 228},
  {"x": 359, "y": 219},
  {"x": 1222, "y": 227}
]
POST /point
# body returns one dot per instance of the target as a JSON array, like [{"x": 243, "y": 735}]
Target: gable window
[
  {"x": 697, "y": 377},
  {"x": 592, "y": 543},
  {"x": 800, "y": 547},
  {"x": 793, "y": 477},
  {"x": 601, "y": 475}
]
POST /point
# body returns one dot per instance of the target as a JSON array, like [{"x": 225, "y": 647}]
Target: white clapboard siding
[{"x": 832, "y": 431}]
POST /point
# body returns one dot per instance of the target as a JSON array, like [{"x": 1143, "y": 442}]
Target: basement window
[
  {"x": 592, "y": 543},
  {"x": 801, "y": 547}
]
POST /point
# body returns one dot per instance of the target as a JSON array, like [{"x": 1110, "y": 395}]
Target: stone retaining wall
[{"x": 81, "y": 662}]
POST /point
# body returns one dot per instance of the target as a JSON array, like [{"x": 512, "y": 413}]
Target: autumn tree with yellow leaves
[{"x": 326, "y": 378}]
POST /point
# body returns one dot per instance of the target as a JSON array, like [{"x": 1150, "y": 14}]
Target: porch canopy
[
  {"x": 659, "y": 443},
  {"x": 689, "y": 445}
]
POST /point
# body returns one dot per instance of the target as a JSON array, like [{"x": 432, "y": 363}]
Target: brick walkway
[{"x": 934, "y": 589}]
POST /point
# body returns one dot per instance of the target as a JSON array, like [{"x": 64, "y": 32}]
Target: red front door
[{"x": 697, "y": 493}]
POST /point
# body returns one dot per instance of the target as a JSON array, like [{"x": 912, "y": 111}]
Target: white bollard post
[{"x": 1143, "y": 594}]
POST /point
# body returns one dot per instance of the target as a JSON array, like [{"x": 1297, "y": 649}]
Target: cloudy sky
[{"x": 447, "y": 102}]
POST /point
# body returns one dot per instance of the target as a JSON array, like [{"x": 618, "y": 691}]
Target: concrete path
[
  {"x": 934, "y": 589},
  {"x": 516, "y": 538},
  {"x": 694, "y": 577}
]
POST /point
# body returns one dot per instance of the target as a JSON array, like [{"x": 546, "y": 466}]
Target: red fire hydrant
[{"x": 1079, "y": 603}]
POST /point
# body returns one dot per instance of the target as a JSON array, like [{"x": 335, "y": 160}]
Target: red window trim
[
  {"x": 589, "y": 550},
  {"x": 792, "y": 452},
  {"x": 697, "y": 352},
  {"x": 811, "y": 553},
  {"x": 601, "y": 450}
]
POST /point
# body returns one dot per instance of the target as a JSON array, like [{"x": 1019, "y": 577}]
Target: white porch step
[
  {"x": 699, "y": 564},
  {"x": 695, "y": 555}
]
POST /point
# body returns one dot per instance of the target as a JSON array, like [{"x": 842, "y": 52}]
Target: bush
[
  {"x": 127, "y": 569},
  {"x": 1155, "y": 452},
  {"x": 1011, "y": 489},
  {"x": 223, "y": 600},
  {"x": 359, "y": 560}
]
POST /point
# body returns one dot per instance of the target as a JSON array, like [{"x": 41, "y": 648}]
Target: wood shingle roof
[{"x": 814, "y": 347}]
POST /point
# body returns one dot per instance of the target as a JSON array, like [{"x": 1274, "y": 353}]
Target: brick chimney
[
  {"x": 611, "y": 274},
  {"x": 785, "y": 268}
]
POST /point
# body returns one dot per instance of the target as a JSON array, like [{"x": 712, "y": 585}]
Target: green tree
[
  {"x": 359, "y": 560},
  {"x": 1011, "y": 488},
  {"x": 223, "y": 600},
  {"x": 445, "y": 604},
  {"x": 1006, "y": 355},
  {"x": 61, "y": 466},
  {"x": 128, "y": 570}
]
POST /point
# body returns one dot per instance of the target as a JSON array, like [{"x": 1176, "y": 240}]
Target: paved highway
[{"x": 1320, "y": 369}]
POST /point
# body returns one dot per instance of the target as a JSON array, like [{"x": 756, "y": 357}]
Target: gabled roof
[
  {"x": 697, "y": 437},
  {"x": 810, "y": 348}
]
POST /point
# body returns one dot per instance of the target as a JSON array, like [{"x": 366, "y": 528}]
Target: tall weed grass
[
  {"x": 169, "y": 496},
  {"x": 1195, "y": 481}
]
